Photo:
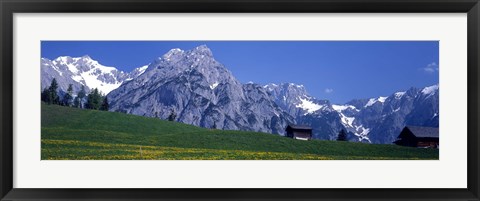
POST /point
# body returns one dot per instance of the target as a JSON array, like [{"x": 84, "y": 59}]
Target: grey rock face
[{"x": 202, "y": 92}]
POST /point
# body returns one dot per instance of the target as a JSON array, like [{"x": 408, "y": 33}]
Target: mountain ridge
[
  {"x": 203, "y": 92},
  {"x": 84, "y": 71}
]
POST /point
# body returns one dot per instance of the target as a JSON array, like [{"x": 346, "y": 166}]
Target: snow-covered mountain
[
  {"x": 84, "y": 71},
  {"x": 202, "y": 92},
  {"x": 380, "y": 119},
  {"x": 307, "y": 110},
  {"x": 295, "y": 99},
  {"x": 373, "y": 120}
]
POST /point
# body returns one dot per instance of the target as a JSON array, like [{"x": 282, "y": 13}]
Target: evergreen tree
[
  {"x": 94, "y": 100},
  {"x": 342, "y": 135},
  {"x": 45, "y": 95},
  {"x": 172, "y": 115},
  {"x": 81, "y": 95},
  {"x": 76, "y": 102},
  {"x": 50, "y": 95},
  {"x": 214, "y": 125},
  {"x": 104, "y": 105},
  {"x": 53, "y": 92},
  {"x": 67, "y": 99}
]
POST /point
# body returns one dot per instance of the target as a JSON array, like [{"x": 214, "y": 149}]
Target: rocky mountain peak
[
  {"x": 287, "y": 88},
  {"x": 86, "y": 57},
  {"x": 173, "y": 53},
  {"x": 201, "y": 91},
  {"x": 202, "y": 50}
]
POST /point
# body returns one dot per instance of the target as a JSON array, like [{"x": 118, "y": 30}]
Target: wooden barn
[
  {"x": 299, "y": 132},
  {"x": 416, "y": 136}
]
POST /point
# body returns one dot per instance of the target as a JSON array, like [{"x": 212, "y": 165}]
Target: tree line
[{"x": 94, "y": 100}]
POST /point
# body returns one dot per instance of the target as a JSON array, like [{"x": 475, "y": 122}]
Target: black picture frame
[{"x": 10, "y": 7}]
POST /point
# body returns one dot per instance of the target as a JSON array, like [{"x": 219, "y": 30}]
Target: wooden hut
[
  {"x": 416, "y": 136},
  {"x": 299, "y": 132}
]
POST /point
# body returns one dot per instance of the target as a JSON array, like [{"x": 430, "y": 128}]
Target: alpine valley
[{"x": 203, "y": 92}]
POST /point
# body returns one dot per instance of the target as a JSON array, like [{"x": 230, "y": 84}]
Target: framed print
[{"x": 196, "y": 100}]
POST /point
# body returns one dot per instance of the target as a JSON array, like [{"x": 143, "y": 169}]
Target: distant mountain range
[
  {"x": 203, "y": 92},
  {"x": 375, "y": 120},
  {"x": 84, "y": 71}
]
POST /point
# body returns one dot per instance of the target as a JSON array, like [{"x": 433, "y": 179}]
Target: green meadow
[{"x": 76, "y": 134}]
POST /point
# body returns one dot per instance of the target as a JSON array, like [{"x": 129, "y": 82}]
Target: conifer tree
[
  {"x": 214, "y": 125},
  {"x": 80, "y": 96},
  {"x": 94, "y": 100},
  {"x": 342, "y": 135},
  {"x": 68, "y": 97},
  {"x": 172, "y": 115},
  {"x": 50, "y": 95},
  {"x": 104, "y": 105},
  {"x": 76, "y": 102},
  {"x": 45, "y": 95}
]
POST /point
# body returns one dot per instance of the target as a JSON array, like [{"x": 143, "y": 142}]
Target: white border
[{"x": 448, "y": 172}]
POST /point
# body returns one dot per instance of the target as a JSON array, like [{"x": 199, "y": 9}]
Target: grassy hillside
[{"x": 75, "y": 134}]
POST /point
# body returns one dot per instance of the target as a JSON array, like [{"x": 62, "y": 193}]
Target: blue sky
[{"x": 335, "y": 70}]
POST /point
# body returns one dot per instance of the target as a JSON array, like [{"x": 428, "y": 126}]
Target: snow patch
[
  {"x": 365, "y": 131},
  {"x": 214, "y": 85},
  {"x": 63, "y": 59},
  {"x": 309, "y": 106},
  {"x": 340, "y": 108},
  {"x": 372, "y": 101},
  {"x": 77, "y": 78},
  {"x": 92, "y": 82},
  {"x": 72, "y": 68},
  {"x": 270, "y": 87},
  {"x": 142, "y": 69},
  {"x": 172, "y": 52},
  {"x": 294, "y": 85},
  {"x": 430, "y": 90},
  {"x": 382, "y": 99},
  {"x": 362, "y": 133},
  {"x": 399, "y": 95},
  {"x": 347, "y": 121}
]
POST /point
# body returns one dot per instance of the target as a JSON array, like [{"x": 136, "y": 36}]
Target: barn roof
[
  {"x": 302, "y": 127},
  {"x": 419, "y": 131}
]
